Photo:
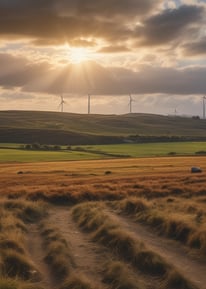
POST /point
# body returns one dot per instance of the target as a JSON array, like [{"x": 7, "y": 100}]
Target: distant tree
[
  {"x": 28, "y": 146},
  {"x": 36, "y": 146},
  {"x": 46, "y": 147},
  {"x": 57, "y": 148}
]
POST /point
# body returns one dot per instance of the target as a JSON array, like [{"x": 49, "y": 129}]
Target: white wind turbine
[
  {"x": 62, "y": 102},
  {"x": 203, "y": 106},
  {"x": 131, "y": 100}
]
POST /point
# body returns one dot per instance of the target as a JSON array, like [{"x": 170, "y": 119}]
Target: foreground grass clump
[
  {"x": 174, "y": 227},
  {"x": 16, "y": 264},
  {"x": 25, "y": 210},
  {"x": 58, "y": 253},
  {"x": 118, "y": 276},
  {"x": 15, "y": 261},
  {"x": 11, "y": 244},
  {"x": 132, "y": 205},
  {"x": 175, "y": 280},
  {"x": 9, "y": 222},
  {"x": 78, "y": 282},
  {"x": 186, "y": 227},
  {"x": 6, "y": 283},
  {"x": 197, "y": 240}
]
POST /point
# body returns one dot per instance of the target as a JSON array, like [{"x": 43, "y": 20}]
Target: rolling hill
[{"x": 69, "y": 128}]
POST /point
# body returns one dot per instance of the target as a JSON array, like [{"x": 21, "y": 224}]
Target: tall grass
[
  {"x": 117, "y": 275},
  {"x": 15, "y": 262},
  {"x": 25, "y": 210},
  {"x": 7, "y": 283},
  {"x": 172, "y": 226},
  {"x": 79, "y": 281}
]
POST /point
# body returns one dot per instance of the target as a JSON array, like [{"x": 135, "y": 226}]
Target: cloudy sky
[{"x": 153, "y": 50}]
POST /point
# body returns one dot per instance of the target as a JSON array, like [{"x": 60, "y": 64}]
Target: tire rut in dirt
[
  {"x": 36, "y": 251},
  {"x": 88, "y": 256}
]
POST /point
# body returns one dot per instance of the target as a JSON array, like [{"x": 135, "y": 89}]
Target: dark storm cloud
[
  {"x": 170, "y": 25},
  {"x": 96, "y": 79},
  {"x": 49, "y": 22},
  {"x": 68, "y": 19},
  {"x": 80, "y": 7},
  {"x": 107, "y": 8},
  {"x": 197, "y": 48}
]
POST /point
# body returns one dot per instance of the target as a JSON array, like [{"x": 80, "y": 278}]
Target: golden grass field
[{"x": 113, "y": 224}]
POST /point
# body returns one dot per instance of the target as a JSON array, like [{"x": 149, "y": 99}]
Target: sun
[{"x": 79, "y": 54}]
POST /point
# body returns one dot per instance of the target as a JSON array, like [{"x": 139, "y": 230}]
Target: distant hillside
[{"x": 69, "y": 128}]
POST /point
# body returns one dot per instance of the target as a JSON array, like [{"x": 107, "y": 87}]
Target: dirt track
[
  {"x": 36, "y": 252},
  {"x": 90, "y": 256}
]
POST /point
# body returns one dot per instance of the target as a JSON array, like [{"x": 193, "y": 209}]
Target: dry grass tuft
[
  {"x": 175, "y": 280},
  {"x": 118, "y": 276},
  {"x": 11, "y": 244},
  {"x": 78, "y": 282},
  {"x": 16, "y": 264},
  {"x": 7, "y": 283},
  {"x": 133, "y": 205},
  {"x": 58, "y": 254},
  {"x": 25, "y": 210}
]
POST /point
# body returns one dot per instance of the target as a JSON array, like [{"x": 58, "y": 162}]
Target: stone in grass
[{"x": 196, "y": 170}]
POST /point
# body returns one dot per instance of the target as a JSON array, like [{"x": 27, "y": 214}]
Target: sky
[{"x": 154, "y": 51}]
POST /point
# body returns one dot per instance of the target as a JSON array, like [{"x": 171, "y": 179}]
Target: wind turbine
[
  {"x": 89, "y": 103},
  {"x": 62, "y": 102},
  {"x": 131, "y": 100},
  {"x": 203, "y": 106},
  {"x": 175, "y": 111}
]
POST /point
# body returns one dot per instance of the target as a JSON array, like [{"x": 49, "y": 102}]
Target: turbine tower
[
  {"x": 131, "y": 100},
  {"x": 62, "y": 102},
  {"x": 203, "y": 106},
  {"x": 175, "y": 111},
  {"x": 89, "y": 103}
]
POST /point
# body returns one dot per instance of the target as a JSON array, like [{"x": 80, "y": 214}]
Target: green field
[
  {"x": 151, "y": 149},
  {"x": 13, "y": 154}
]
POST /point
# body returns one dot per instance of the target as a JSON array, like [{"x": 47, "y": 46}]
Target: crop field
[
  {"x": 15, "y": 153},
  {"x": 18, "y": 155},
  {"x": 151, "y": 149},
  {"x": 103, "y": 224}
]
